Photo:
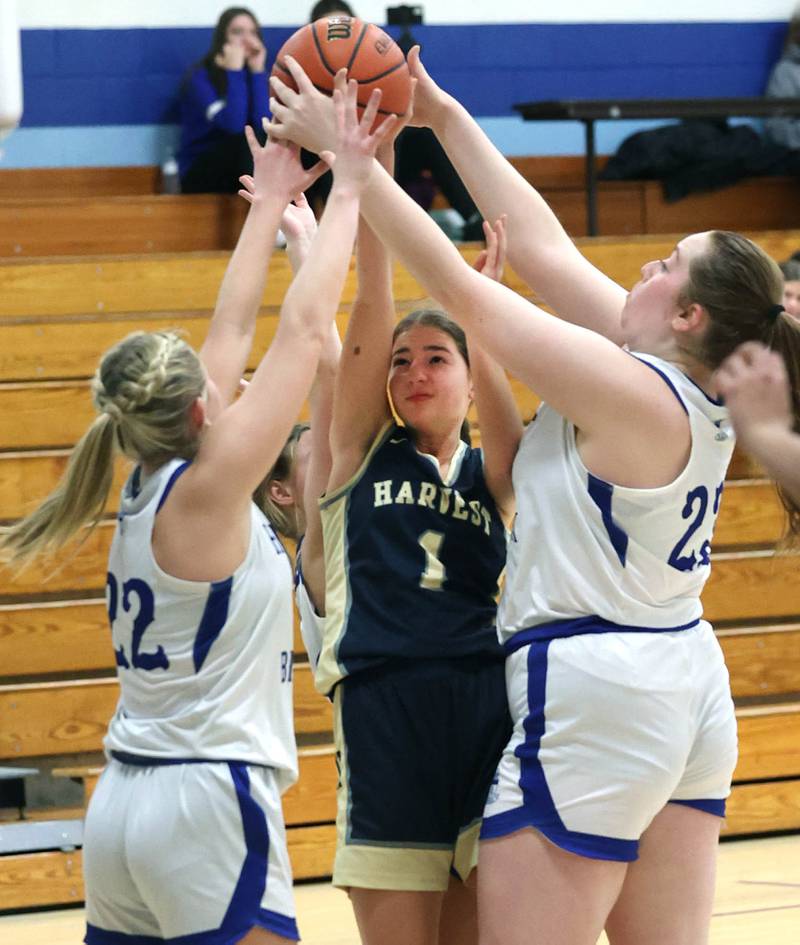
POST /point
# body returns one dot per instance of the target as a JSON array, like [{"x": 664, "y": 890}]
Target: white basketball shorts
[
  {"x": 193, "y": 849},
  {"x": 609, "y": 726}
]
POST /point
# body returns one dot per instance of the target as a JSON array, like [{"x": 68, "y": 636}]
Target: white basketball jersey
[
  {"x": 583, "y": 547},
  {"x": 311, "y": 624},
  {"x": 205, "y": 668}
]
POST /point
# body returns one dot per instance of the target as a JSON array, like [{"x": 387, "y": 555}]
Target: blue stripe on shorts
[{"x": 538, "y": 809}]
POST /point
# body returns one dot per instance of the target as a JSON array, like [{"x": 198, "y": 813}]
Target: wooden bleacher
[
  {"x": 72, "y": 211},
  {"x": 57, "y": 684}
]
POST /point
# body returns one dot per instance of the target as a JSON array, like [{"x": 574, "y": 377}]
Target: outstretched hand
[
  {"x": 492, "y": 260},
  {"x": 755, "y": 386},
  {"x": 356, "y": 142},
  {"x": 305, "y": 117},
  {"x": 428, "y": 98},
  {"x": 277, "y": 171}
]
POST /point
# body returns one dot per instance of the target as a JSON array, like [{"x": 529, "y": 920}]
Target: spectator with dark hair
[
  {"x": 223, "y": 92},
  {"x": 329, "y": 8},
  {"x": 791, "y": 284}
]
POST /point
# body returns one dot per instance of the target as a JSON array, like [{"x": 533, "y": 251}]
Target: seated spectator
[
  {"x": 791, "y": 285},
  {"x": 784, "y": 82},
  {"x": 223, "y": 92}
]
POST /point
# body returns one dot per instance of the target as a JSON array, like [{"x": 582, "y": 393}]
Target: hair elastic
[{"x": 774, "y": 311}]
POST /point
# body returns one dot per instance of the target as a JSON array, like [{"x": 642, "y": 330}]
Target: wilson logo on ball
[{"x": 339, "y": 28}]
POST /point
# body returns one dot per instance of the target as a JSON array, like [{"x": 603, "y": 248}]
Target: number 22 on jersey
[{"x": 135, "y": 593}]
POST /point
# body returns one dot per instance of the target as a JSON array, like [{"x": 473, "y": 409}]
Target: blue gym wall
[{"x": 107, "y": 95}]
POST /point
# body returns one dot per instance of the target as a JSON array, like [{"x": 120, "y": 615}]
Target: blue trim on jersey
[
  {"x": 667, "y": 381},
  {"x": 136, "y": 482},
  {"x": 279, "y": 924},
  {"x": 176, "y": 474},
  {"x": 272, "y": 921},
  {"x": 539, "y": 810},
  {"x": 712, "y": 805},
  {"x": 213, "y": 620},
  {"x": 560, "y": 629},
  {"x": 602, "y": 494},
  {"x": 708, "y": 397}
]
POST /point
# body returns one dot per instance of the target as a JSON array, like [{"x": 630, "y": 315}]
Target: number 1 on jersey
[{"x": 434, "y": 574}]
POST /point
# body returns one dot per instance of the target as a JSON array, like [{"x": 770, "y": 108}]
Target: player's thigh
[
  {"x": 668, "y": 893},
  {"x": 458, "y": 924},
  {"x": 530, "y": 890},
  {"x": 397, "y": 917}
]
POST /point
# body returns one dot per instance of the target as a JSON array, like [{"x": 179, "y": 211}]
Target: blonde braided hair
[{"x": 143, "y": 390}]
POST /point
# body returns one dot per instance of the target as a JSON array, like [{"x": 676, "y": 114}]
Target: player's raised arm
[
  {"x": 230, "y": 334},
  {"x": 498, "y": 415},
  {"x": 249, "y": 435},
  {"x": 361, "y": 405},
  {"x": 581, "y": 374},
  {"x": 539, "y": 249}
]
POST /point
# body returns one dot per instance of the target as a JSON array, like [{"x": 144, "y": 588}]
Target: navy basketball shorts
[
  {"x": 609, "y": 726},
  {"x": 417, "y": 746},
  {"x": 186, "y": 852}
]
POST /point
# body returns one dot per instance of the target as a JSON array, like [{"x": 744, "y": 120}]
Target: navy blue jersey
[{"x": 412, "y": 562}]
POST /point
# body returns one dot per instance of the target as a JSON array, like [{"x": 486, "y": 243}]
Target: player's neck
[{"x": 441, "y": 446}]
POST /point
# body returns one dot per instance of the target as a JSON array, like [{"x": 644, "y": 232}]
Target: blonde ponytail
[{"x": 79, "y": 498}]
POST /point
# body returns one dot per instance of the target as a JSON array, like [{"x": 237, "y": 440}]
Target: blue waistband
[
  {"x": 147, "y": 761},
  {"x": 561, "y": 629}
]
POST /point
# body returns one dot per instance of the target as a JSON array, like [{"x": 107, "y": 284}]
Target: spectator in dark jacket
[{"x": 223, "y": 92}]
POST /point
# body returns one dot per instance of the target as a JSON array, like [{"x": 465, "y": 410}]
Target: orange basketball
[{"x": 370, "y": 56}]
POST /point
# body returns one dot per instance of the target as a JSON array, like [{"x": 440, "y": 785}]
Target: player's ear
[{"x": 280, "y": 493}]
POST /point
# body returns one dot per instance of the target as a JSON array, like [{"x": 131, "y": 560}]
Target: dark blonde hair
[
  {"x": 436, "y": 318},
  {"x": 142, "y": 391},
  {"x": 283, "y": 518},
  {"x": 741, "y": 289}
]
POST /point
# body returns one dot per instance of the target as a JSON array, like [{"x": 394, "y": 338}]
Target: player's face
[
  {"x": 429, "y": 381},
  {"x": 243, "y": 31},
  {"x": 791, "y": 297},
  {"x": 654, "y": 301}
]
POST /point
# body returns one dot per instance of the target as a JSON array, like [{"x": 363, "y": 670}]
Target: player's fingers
[
  {"x": 327, "y": 159},
  {"x": 246, "y": 194},
  {"x": 281, "y": 90},
  {"x": 371, "y": 110},
  {"x": 415, "y": 66},
  {"x": 351, "y": 103},
  {"x": 304, "y": 84},
  {"x": 480, "y": 261},
  {"x": 408, "y": 114},
  {"x": 324, "y": 164},
  {"x": 247, "y": 182},
  {"x": 385, "y": 129},
  {"x": 252, "y": 141},
  {"x": 340, "y": 80}
]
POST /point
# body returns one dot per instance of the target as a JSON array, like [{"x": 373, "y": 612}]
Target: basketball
[{"x": 370, "y": 56}]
